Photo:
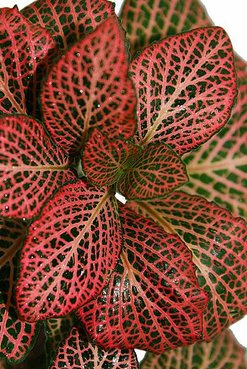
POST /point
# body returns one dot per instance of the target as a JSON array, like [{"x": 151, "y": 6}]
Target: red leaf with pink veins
[
  {"x": 186, "y": 86},
  {"x": 23, "y": 47},
  {"x": 152, "y": 300},
  {"x": 77, "y": 353},
  {"x": 69, "y": 252},
  {"x": 89, "y": 87},
  {"x": 104, "y": 161},
  {"x": 16, "y": 336},
  {"x": 68, "y": 21},
  {"x": 31, "y": 168},
  {"x": 155, "y": 172},
  {"x": 218, "y": 242}
]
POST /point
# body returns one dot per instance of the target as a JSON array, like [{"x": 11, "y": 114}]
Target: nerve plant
[{"x": 88, "y": 111}]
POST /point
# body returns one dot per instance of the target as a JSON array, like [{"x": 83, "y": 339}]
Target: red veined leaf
[
  {"x": 191, "y": 87},
  {"x": 218, "y": 242},
  {"x": 69, "y": 253},
  {"x": 57, "y": 330},
  {"x": 218, "y": 169},
  {"x": 68, "y": 21},
  {"x": 77, "y": 352},
  {"x": 104, "y": 160},
  {"x": 16, "y": 336},
  {"x": 23, "y": 48},
  {"x": 89, "y": 87},
  {"x": 152, "y": 300},
  {"x": 223, "y": 352},
  {"x": 31, "y": 168},
  {"x": 155, "y": 172},
  {"x": 148, "y": 21}
]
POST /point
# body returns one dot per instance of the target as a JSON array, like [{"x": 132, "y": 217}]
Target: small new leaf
[
  {"x": 156, "y": 171},
  {"x": 104, "y": 160}
]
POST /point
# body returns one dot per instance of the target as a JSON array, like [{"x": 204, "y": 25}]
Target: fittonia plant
[{"x": 83, "y": 116}]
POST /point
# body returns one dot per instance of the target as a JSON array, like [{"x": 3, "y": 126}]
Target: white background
[{"x": 231, "y": 15}]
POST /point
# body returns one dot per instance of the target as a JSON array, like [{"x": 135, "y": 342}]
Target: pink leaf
[
  {"x": 155, "y": 172},
  {"x": 77, "y": 352},
  {"x": 186, "y": 87},
  {"x": 218, "y": 169},
  {"x": 69, "y": 252},
  {"x": 148, "y": 21},
  {"x": 89, "y": 87},
  {"x": 16, "y": 336},
  {"x": 23, "y": 48},
  {"x": 152, "y": 300},
  {"x": 218, "y": 242},
  {"x": 31, "y": 168},
  {"x": 104, "y": 161},
  {"x": 68, "y": 21}
]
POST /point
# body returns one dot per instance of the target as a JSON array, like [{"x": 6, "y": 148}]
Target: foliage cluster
[{"x": 151, "y": 105}]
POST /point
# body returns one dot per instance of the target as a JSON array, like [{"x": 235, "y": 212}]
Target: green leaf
[
  {"x": 218, "y": 242},
  {"x": 218, "y": 168},
  {"x": 148, "y": 21},
  {"x": 224, "y": 352}
]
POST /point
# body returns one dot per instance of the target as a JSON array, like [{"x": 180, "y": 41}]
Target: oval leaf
[
  {"x": 76, "y": 352},
  {"x": 31, "y": 167},
  {"x": 218, "y": 169},
  {"x": 68, "y": 21},
  {"x": 223, "y": 352},
  {"x": 152, "y": 301},
  {"x": 69, "y": 252},
  {"x": 149, "y": 21},
  {"x": 16, "y": 336},
  {"x": 218, "y": 242},
  {"x": 155, "y": 172},
  {"x": 104, "y": 160},
  {"x": 191, "y": 87},
  {"x": 89, "y": 87},
  {"x": 23, "y": 48}
]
